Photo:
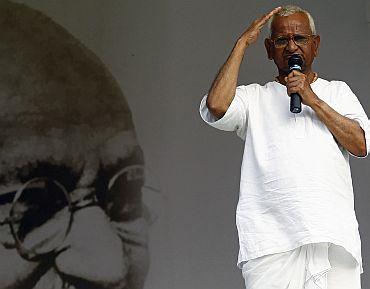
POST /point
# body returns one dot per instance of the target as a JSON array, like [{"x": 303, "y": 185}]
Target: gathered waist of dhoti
[{"x": 304, "y": 267}]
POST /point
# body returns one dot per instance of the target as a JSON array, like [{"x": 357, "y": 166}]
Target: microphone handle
[{"x": 295, "y": 103}]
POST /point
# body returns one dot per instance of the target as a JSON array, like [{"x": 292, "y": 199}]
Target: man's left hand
[{"x": 298, "y": 82}]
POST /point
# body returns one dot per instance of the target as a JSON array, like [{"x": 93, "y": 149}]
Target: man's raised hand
[{"x": 251, "y": 34}]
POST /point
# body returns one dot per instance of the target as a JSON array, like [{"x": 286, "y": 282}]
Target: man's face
[{"x": 288, "y": 26}]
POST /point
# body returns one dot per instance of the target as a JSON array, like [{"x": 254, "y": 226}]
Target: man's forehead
[{"x": 294, "y": 23}]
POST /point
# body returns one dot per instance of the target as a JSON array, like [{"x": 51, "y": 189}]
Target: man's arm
[
  {"x": 223, "y": 87},
  {"x": 346, "y": 131}
]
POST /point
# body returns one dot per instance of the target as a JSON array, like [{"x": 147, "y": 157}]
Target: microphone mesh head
[{"x": 295, "y": 62}]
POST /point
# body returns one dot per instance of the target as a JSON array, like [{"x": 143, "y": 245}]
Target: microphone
[{"x": 295, "y": 63}]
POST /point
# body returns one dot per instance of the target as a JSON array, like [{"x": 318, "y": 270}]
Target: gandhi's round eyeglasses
[{"x": 298, "y": 39}]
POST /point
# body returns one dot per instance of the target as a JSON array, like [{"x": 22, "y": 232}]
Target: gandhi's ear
[{"x": 268, "y": 46}]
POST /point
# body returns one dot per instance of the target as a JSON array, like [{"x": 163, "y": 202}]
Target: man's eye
[
  {"x": 300, "y": 38},
  {"x": 281, "y": 41}
]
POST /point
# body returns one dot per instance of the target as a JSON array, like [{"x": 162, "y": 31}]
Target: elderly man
[{"x": 295, "y": 216}]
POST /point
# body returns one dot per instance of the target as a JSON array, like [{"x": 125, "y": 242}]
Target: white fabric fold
[
  {"x": 305, "y": 267},
  {"x": 317, "y": 265}
]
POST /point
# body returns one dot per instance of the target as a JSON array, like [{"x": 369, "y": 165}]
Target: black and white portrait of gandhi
[{"x": 71, "y": 169}]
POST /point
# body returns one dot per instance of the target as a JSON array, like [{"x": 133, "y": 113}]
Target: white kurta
[{"x": 296, "y": 185}]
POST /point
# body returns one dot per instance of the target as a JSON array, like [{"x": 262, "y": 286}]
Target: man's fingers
[
  {"x": 253, "y": 31},
  {"x": 262, "y": 21},
  {"x": 293, "y": 78},
  {"x": 268, "y": 15},
  {"x": 296, "y": 72},
  {"x": 294, "y": 83}
]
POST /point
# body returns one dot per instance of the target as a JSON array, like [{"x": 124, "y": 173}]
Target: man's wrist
[
  {"x": 316, "y": 103},
  {"x": 242, "y": 43}
]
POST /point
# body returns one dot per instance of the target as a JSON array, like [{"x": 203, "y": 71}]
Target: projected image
[{"x": 71, "y": 169}]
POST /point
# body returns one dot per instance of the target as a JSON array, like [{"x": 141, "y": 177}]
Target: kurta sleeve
[
  {"x": 236, "y": 117},
  {"x": 348, "y": 105}
]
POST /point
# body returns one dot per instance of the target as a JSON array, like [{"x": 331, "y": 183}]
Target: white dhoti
[{"x": 311, "y": 266}]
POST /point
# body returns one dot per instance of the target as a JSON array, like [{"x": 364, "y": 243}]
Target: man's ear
[
  {"x": 316, "y": 43},
  {"x": 268, "y": 46}
]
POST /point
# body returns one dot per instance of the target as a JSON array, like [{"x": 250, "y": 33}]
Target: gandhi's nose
[{"x": 94, "y": 252}]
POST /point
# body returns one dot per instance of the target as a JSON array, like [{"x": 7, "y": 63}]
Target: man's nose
[
  {"x": 291, "y": 46},
  {"x": 93, "y": 251}
]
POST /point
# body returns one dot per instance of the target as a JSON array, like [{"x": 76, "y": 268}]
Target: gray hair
[{"x": 289, "y": 10}]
